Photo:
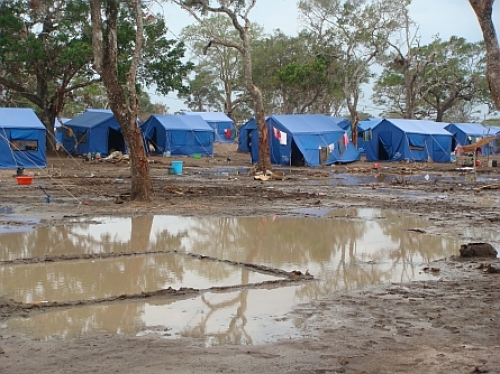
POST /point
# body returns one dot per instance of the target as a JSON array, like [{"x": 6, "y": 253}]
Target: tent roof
[
  {"x": 177, "y": 122},
  {"x": 210, "y": 116},
  {"x": 341, "y": 122},
  {"x": 369, "y": 123},
  {"x": 419, "y": 126},
  {"x": 64, "y": 120},
  {"x": 18, "y": 118},
  {"x": 306, "y": 123},
  {"x": 476, "y": 128},
  {"x": 91, "y": 118}
]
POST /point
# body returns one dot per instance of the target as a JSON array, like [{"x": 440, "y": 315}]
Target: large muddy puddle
[{"x": 235, "y": 303}]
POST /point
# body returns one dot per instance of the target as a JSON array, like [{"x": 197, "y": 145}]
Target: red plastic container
[{"x": 25, "y": 180}]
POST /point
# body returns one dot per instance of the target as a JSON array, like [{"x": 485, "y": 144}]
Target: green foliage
[
  {"x": 46, "y": 49},
  {"x": 218, "y": 83},
  {"x": 162, "y": 61},
  {"x": 440, "y": 75},
  {"x": 294, "y": 77},
  {"x": 358, "y": 31}
]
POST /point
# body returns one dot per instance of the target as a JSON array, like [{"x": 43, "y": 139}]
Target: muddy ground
[{"x": 449, "y": 325}]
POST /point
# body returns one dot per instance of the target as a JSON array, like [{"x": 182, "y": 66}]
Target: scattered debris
[
  {"x": 420, "y": 231},
  {"x": 115, "y": 157},
  {"x": 176, "y": 191},
  {"x": 432, "y": 270},
  {"x": 491, "y": 269},
  {"x": 478, "y": 370}
]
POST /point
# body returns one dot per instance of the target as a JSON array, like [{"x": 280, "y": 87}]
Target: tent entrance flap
[
  {"x": 384, "y": 146},
  {"x": 323, "y": 155},
  {"x": 115, "y": 141},
  {"x": 296, "y": 158},
  {"x": 153, "y": 142}
]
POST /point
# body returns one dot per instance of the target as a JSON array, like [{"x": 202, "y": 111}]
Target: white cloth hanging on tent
[{"x": 283, "y": 138}]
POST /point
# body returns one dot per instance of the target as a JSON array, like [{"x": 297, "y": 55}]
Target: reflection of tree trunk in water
[
  {"x": 139, "y": 241},
  {"x": 406, "y": 255},
  {"x": 342, "y": 265},
  {"x": 140, "y": 233},
  {"x": 233, "y": 327}
]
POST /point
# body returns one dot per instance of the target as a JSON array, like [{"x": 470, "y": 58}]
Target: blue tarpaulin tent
[
  {"x": 344, "y": 124},
  {"x": 94, "y": 131},
  {"x": 245, "y": 135},
  {"x": 22, "y": 139},
  {"x": 223, "y": 125},
  {"x": 179, "y": 135},
  {"x": 59, "y": 130},
  {"x": 305, "y": 139},
  {"x": 468, "y": 133},
  {"x": 365, "y": 132},
  {"x": 411, "y": 140}
]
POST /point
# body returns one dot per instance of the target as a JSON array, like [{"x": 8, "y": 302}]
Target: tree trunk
[
  {"x": 354, "y": 129},
  {"x": 48, "y": 117},
  {"x": 483, "y": 10},
  {"x": 264, "y": 154},
  {"x": 142, "y": 187},
  {"x": 122, "y": 102}
]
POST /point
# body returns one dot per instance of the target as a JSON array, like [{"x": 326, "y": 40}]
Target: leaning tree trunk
[
  {"x": 483, "y": 10},
  {"x": 123, "y": 103},
  {"x": 142, "y": 187}
]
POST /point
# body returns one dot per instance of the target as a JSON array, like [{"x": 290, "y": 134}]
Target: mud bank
[{"x": 449, "y": 325}]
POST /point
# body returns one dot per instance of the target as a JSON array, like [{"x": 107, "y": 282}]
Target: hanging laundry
[
  {"x": 282, "y": 138},
  {"x": 331, "y": 147},
  {"x": 346, "y": 139},
  {"x": 277, "y": 133}
]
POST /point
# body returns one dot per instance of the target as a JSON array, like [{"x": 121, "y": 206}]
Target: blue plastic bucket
[{"x": 177, "y": 166}]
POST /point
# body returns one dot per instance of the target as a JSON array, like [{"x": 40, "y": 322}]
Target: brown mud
[{"x": 450, "y": 325}]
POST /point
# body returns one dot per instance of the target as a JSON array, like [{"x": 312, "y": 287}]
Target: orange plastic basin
[{"x": 24, "y": 180}]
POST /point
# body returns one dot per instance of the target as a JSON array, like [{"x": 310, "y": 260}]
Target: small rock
[{"x": 477, "y": 250}]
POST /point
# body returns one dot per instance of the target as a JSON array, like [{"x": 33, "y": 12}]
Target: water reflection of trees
[
  {"x": 328, "y": 247},
  {"x": 112, "y": 319},
  {"x": 410, "y": 248},
  {"x": 76, "y": 239},
  {"x": 84, "y": 279},
  {"x": 234, "y": 333}
]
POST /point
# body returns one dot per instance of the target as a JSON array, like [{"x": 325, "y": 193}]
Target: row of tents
[
  {"x": 417, "y": 140},
  {"x": 377, "y": 139},
  {"x": 300, "y": 139},
  {"x": 23, "y": 135}
]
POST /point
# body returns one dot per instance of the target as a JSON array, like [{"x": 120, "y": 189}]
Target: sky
[{"x": 450, "y": 17}]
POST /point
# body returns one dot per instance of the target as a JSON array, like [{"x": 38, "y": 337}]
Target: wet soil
[{"x": 450, "y": 325}]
